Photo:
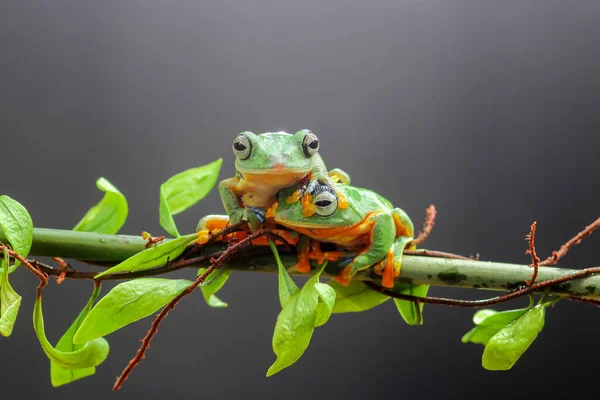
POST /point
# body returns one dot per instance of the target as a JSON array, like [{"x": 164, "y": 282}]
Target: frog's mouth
[{"x": 274, "y": 176}]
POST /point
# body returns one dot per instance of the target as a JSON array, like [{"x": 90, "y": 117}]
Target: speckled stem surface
[{"x": 417, "y": 269}]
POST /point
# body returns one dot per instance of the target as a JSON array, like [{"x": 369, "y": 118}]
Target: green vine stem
[{"x": 420, "y": 269}]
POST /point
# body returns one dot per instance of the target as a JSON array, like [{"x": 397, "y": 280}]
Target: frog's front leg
[
  {"x": 231, "y": 202},
  {"x": 382, "y": 240}
]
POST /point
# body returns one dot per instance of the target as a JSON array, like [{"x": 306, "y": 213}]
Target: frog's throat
[{"x": 274, "y": 176}]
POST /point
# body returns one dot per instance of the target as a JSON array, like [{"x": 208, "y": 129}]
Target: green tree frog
[
  {"x": 369, "y": 225},
  {"x": 267, "y": 163}
]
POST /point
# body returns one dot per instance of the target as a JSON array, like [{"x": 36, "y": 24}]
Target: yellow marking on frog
[
  {"x": 308, "y": 208},
  {"x": 271, "y": 211},
  {"x": 295, "y": 197},
  {"x": 342, "y": 201}
]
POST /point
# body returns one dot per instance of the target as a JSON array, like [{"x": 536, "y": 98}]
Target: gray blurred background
[{"x": 490, "y": 110}]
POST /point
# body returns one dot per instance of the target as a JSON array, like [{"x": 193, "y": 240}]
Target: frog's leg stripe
[
  {"x": 382, "y": 240},
  {"x": 339, "y": 176}
]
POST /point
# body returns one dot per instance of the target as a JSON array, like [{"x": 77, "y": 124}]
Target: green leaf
[
  {"x": 410, "y": 312},
  {"x": 287, "y": 287},
  {"x": 297, "y": 321},
  {"x": 17, "y": 226},
  {"x": 92, "y": 354},
  {"x": 326, "y": 302},
  {"x": 109, "y": 215},
  {"x": 506, "y": 347},
  {"x": 214, "y": 282},
  {"x": 355, "y": 297},
  {"x": 152, "y": 256},
  {"x": 489, "y": 322},
  {"x": 10, "y": 301},
  {"x": 185, "y": 189},
  {"x": 126, "y": 303},
  {"x": 61, "y": 376}
]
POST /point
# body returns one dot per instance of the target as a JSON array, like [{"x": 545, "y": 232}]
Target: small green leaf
[
  {"x": 490, "y": 322},
  {"x": 10, "y": 301},
  {"x": 287, "y": 287},
  {"x": 92, "y": 354},
  {"x": 126, "y": 303},
  {"x": 482, "y": 315},
  {"x": 506, "y": 347},
  {"x": 355, "y": 297},
  {"x": 61, "y": 376},
  {"x": 17, "y": 226},
  {"x": 326, "y": 302},
  {"x": 152, "y": 256},
  {"x": 109, "y": 215},
  {"x": 410, "y": 312},
  {"x": 297, "y": 321},
  {"x": 214, "y": 282},
  {"x": 185, "y": 189}
]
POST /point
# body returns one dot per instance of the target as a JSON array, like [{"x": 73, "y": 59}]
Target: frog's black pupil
[
  {"x": 314, "y": 144},
  {"x": 239, "y": 146},
  {"x": 323, "y": 203}
]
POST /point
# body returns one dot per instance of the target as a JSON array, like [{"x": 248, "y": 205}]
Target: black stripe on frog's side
[{"x": 238, "y": 174}]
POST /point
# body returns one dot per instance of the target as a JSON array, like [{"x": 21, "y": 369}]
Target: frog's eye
[
  {"x": 310, "y": 144},
  {"x": 325, "y": 203},
  {"x": 242, "y": 147}
]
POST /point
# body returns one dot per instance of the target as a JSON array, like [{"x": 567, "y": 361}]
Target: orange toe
[
  {"x": 388, "y": 271},
  {"x": 342, "y": 280}
]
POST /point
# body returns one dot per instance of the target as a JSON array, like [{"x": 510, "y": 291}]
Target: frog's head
[
  {"x": 322, "y": 202},
  {"x": 278, "y": 158}
]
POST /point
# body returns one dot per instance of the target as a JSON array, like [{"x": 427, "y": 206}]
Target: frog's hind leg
[{"x": 382, "y": 240}]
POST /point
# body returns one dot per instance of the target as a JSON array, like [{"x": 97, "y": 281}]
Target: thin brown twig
[
  {"x": 557, "y": 255},
  {"x": 215, "y": 263},
  {"x": 430, "y": 215},
  {"x": 41, "y": 275},
  {"x": 535, "y": 260},
  {"x": 63, "y": 267}
]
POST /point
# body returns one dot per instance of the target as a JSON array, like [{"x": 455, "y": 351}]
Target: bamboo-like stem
[{"x": 464, "y": 273}]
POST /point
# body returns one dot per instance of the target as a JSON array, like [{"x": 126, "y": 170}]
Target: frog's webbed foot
[
  {"x": 311, "y": 250},
  {"x": 209, "y": 225},
  {"x": 389, "y": 268},
  {"x": 339, "y": 176}
]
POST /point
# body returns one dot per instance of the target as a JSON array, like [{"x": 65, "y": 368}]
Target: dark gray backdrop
[{"x": 490, "y": 110}]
